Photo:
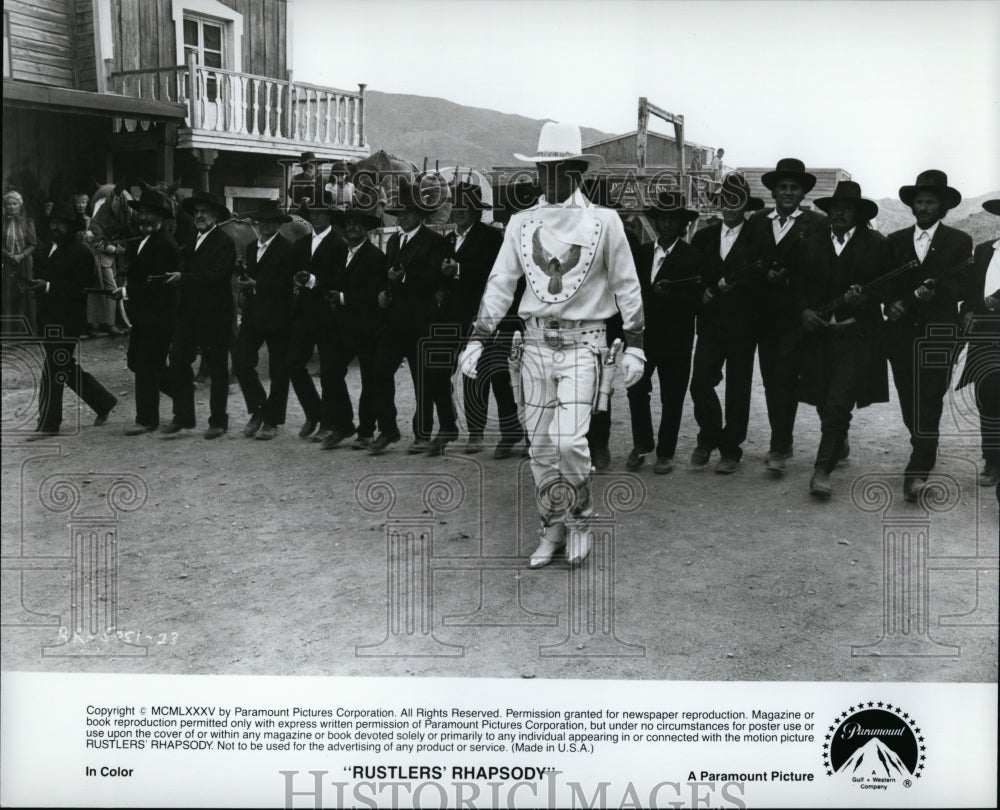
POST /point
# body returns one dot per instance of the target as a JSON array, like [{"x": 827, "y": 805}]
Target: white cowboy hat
[{"x": 559, "y": 142}]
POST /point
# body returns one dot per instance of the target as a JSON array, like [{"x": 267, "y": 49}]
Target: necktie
[
  {"x": 782, "y": 221},
  {"x": 840, "y": 238},
  {"x": 923, "y": 242},
  {"x": 403, "y": 241}
]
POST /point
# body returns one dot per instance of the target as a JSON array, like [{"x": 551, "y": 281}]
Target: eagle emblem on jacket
[{"x": 550, "y": 265}]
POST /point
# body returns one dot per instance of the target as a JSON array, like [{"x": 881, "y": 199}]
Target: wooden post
[
  {"x": 194, "y": 108},
  {"x": 640, "y": 137},
  {"x": 360, "y": 117},
  {"x": 165, "y": 150},
  {"x": 288, "y": 107},
  {"x": 681, "y": 168},
  {"x": 206, "y": 158}
]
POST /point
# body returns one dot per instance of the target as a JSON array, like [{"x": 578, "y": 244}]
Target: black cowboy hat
[
  {"x": 935, "y": 181},
  {"x": 468, "y": 195},
  {"x": 270, "y": 210},
  {"x": 63, "y": 211},
  {"x": 339, "y": 167},
  {"x": 153, "y": 200},
  {"x": 673, "y": 203},
  {"x": 307, "y": 157},
  {"x": 734, "y": 194},
  {"x": 369, "y": 217},
  {"x": 789, "y": 168},
  {"x": 207, "y": 198},
  {"x": 993, "y": 206},
  {"x": 407, "y": 198},
  {"x": 306, "y": 210},
  {"x": 849, "y": 191}
]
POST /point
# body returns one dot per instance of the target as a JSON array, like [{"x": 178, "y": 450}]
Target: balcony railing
[{"x": 253, "y": 107}]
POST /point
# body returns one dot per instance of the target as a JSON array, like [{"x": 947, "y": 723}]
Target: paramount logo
[{"x": 877, "y": 760}]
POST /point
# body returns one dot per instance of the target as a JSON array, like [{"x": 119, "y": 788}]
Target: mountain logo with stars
[{"x": 876, "y": 746}]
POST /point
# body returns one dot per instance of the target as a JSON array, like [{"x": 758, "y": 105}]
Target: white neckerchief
[
  {"x": 201, "y": 237},
  {"x": 263, "y": 246},
  {"x": 780, "y": 231},
  {"x": 922, "y": 246},
  {"x": 839, "y": 246},
  {"x": 659, "y": 254},
  {"x": 993, "y": 271},
  {"x": 728, "y": 239},
  {"x": 570, "y": 222},
  {"x": 319, "y": 237}
]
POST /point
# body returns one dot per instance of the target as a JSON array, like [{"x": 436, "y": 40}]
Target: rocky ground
[{"x": 244, "y": 557}]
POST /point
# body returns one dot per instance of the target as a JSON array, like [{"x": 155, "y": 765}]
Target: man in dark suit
[
  {"x": 319, "y": 260},
  {"x": 727, "y": 328},
  {"x": 151, "y": 306},
  {"x": 668, "y": 271},
  {"x": 357, "y": 317},
  {"x": 474, "y": 248},
  {"x": 266, "y": 295},
  {"x": 981, "y": 325},
  {"x": 205, "y": 316},
  {"x": 415, "y": 257},
  {"x": 775, "y": 232},
  {"x": 65, "y": 270},
  {"x": 920, "y": 302},
  {"x": 840, "y": 357}
]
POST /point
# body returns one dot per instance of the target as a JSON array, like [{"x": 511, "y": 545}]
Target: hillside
[
  {"x": 417, "y": 126},
  {"x": 969, "y": 216}
]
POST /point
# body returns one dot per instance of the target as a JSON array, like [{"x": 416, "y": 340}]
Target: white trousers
[{"x": 560, "y": 388}]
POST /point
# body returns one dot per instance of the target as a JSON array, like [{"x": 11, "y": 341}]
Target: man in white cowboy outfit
[{"x": 579, "y": 271}]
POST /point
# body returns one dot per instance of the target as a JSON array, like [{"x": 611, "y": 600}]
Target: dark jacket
[
  {"x": 152, "y": 303},
  {"x": 670, "y": 317},
  {"x": 327, "y": 265},
  {"x": 475, "y": 259},
  {"x": 775, "y": 304},
  {"x": 68, "y": 270},
  {"x": 206, "y": 279},
  {"x": 362, "y": 280},
  {"x": 268, "y": 306},
  {"x": 949, "y": 249},
  {"x": 734, "y": 311},
  {"x": 413, "y": 295},
  {"x": 983, "y": 335},
  {"x": 819, "y": 278}
]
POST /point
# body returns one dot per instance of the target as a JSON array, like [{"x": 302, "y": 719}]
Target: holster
[
  {"x": 514, "y": 362},
  {"x": 605, "y": 381}
]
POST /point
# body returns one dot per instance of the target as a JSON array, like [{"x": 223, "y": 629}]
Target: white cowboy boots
[{"x": 554, "y": 538}]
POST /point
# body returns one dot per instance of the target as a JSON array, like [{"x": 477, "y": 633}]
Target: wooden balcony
[{"x": 241, "y": 112}]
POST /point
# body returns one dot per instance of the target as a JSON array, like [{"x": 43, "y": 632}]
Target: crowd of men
[{"x": 824, "y": 302}]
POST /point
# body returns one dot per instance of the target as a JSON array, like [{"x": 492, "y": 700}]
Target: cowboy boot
[{"x": 552, "y": 539}]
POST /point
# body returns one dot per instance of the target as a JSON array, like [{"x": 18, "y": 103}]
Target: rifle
[
  {"x": 931, "y": 284},
  {"x": 666, "y": 284},
  {"x": 98, "y": 291},
  {"x": 827, "y": 309},
  {"x": 749, "y": 270}
]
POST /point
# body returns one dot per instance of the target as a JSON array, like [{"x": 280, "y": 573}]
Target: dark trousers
[
  {"x": 363, "y": 346},
  {"x": 673, "y": 370},
  {"x": 429, "y": 361},
  {"x": 196, "y": 332},
  {"x": 148, "y": 347},
  {"x": 987, "y": 384},
  {"x": 61, "y": 369},
  {"x": 493, "y": 373},
  {"x": 841, "y": 349},
  {"x": 735, "y": 351},
  {"x": 271, "y": 407},
  {"x": 921, "y": 371},
  {"x": 333, "y": 410},
  {"x": 780, "y": 376}
]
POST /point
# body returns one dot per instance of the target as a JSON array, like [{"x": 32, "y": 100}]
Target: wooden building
[{"x": 159, "y": 89}]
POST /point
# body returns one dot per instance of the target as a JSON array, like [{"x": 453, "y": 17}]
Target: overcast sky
[{"x": 882, "y": 89}]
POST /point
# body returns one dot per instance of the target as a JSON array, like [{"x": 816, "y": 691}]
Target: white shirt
[
  {"x": 728, "y": 239},
  {"x": 659, "y": 254},
  {"x": 921, "y": 244},
  {"x": 993, "y": 271},
  {"x": 353, "y": 251},
  {"x": 201, "y": 237},
  {"x": 839, "y": 246},
  {"x": 142, "y": 244},
  {"x": 780, "y": 231},
  {"x": 460, "y": 237},
  {"x": 263, "y": 246},
  {"x": 317, "y": 238},
  {"x": 406, "y": 236}
]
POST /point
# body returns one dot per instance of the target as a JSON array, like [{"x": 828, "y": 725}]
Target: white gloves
[
  {"x": 633, "y": 364},
  {"x": 469, "y": 358}
]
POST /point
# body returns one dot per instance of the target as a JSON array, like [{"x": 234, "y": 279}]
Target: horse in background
[{"x": 113, "y": 222}]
